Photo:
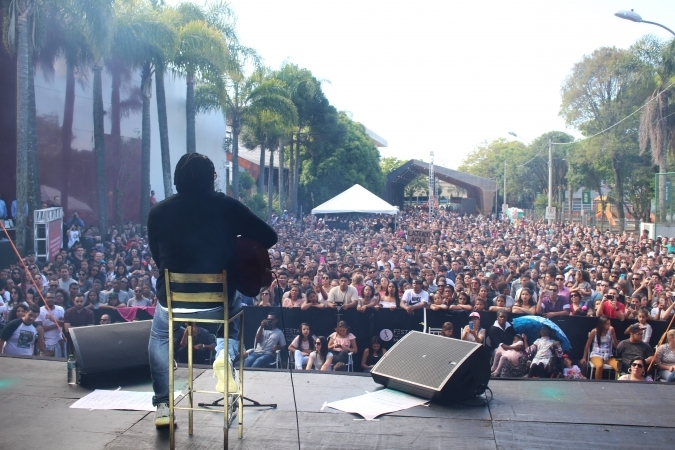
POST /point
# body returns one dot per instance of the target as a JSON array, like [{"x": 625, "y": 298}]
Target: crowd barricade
[{"x": 390, "y": 326}]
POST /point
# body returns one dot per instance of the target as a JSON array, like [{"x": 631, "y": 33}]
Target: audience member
[
  {"x": 302, "y": 346},
  {"x": 372, "y": 354},
  {"x": 268, "y": 340},
  {"x": 320, "y": 358}
]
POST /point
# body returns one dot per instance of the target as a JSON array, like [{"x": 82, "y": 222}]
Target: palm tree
[
  {"x": 266, "y": 122},
  {"x": 141, "y": 39},
  {"x": 168, "y": 15},
  {"x": 656, "y": 131},
  {"x": 21, "y": 15},
  {"x": 241, "y": 100},
  {"x": 97, "y": 19},
  {"x": 302, "y": 87},
  {"x": 202, "y": 51}
]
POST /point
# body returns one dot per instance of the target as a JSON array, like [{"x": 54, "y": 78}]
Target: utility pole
[
  {"x": 504, "y": 207},
  {"x": 550, "y": 177}
]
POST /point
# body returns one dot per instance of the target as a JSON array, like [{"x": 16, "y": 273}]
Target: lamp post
[
  {"x": 635, "y": 17},
  {"x": 550, "y": 171}
]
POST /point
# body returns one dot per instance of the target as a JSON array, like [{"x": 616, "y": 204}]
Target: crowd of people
[{"x": 473, "y": 263}]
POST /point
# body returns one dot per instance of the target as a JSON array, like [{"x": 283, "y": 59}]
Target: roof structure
[
  {"x": 355, "y": 199},
  {"x": 479, "y": 188}
]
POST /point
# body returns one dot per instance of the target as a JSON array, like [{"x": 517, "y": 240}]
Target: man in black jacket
[{"x": 194, "y": 232}]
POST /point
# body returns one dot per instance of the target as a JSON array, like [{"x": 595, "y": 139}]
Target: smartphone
[
  {"x": 471, "y": 326},
  {"x": 322, "y": 260}
]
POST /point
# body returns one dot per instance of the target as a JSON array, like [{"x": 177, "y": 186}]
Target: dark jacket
[
  {"x": 498, "y": 336},
  {"x": 196, "y": 233}
]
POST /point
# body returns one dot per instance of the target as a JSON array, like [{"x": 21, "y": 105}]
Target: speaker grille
[
  {"x": 101, "y": 348},
  {"x": 424, "y": 359}
]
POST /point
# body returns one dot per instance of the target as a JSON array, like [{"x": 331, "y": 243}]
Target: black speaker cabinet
[
  {"x": 434, "y": 367},
  {"x": 111, "y": 348}
]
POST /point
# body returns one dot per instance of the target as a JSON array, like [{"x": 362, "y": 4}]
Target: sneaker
[
  {"x": 221, "y": 365},
  {"x": 162, "y": 416}
]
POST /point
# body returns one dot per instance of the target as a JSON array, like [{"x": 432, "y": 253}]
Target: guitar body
[{"x": 253, "y": 271}]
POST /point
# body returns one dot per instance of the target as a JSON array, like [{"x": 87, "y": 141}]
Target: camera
[{"x": 610, "y": 296}]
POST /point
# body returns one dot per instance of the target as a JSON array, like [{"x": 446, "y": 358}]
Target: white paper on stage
[
  {"x": 129, "y": 400},
  {"x": 377, "y": 403}
]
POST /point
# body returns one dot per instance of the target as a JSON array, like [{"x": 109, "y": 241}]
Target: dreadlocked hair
[{"x": 194, "y": 173}]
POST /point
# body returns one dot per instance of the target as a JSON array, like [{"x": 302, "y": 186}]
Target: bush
[{"x": 258, "y": 205}]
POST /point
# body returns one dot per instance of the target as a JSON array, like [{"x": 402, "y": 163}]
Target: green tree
[
  {"x": 98, "y": 22},
  {"x": 418, "y": 185},
  {"x": 603, "y": 89},
  {"x": 143, "y": 37},
  {"x": 354, "y": 161},
  {"x": 656, "y": 63},
  {"x": 267, "y": 121},
  {"x": 390, "y": 163},
  {"x": 21, "y": 14},
  {"x": 306, "y": 95},
  {"x": 202, "y": 52}
]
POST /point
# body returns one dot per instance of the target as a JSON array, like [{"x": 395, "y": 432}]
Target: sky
[{"x": 444, "y": 76}]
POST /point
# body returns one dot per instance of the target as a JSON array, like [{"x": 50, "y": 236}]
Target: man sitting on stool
[
  {"x": 203, "y": 343},
  {"x": 268, "y": 340}
]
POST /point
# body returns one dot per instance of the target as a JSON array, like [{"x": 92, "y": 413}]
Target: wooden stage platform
[{"x": 524, "y": 414}]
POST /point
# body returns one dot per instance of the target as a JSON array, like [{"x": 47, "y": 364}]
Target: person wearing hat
[
  {"x": 473, "y": 332},
  {"x": 415, "y": 298},
  {"x": 632, "y": 348}
]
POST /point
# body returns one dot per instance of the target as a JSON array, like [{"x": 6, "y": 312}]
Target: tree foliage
[
  {"x": 390, "y": 163},
  {"x": 353, "y": 159}
]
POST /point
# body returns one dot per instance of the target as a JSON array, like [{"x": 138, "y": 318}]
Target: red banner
[{"x": 55, "y": 238}]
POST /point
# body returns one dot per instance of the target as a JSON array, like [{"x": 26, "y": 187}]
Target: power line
[{"x": 615, "y": 124}]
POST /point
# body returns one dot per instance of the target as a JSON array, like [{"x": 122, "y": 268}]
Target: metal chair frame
[{"x": 233, "y": 401}]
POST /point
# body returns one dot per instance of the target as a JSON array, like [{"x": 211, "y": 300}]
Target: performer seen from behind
[{"x": 194, "y": 231}]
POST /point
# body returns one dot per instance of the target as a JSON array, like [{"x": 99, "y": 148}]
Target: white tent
[{"x": 355, "y": 199}]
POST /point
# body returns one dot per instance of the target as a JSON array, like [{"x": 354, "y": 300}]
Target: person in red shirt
[{"x": 610, "y": 307}]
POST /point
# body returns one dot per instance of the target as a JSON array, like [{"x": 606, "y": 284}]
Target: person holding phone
[
  {"x": 550, "y": 304},
  {"x": 473, "y": 332},
  {"x": 610, "y": 307}
]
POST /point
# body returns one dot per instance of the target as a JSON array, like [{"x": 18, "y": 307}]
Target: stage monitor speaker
[
  {"x": 434, "y": 367},
  {"x": 111, "y": 348}
]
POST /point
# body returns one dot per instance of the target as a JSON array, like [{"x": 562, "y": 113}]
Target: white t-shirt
[
  {"x": 337, "y": 296},
  {"x": 52, "y": 336},
  {"x": 22, "y": 339},
  {"x": 73, "y": 236},
  {"x": 410, "y": 298}
]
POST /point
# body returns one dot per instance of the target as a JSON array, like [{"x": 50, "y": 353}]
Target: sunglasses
[
  {"x": 639, "y": 366},
  {"x": 559, "y": 279},
  {"x": 317, "y": 343},
  {"x": 265, "y": 293}
]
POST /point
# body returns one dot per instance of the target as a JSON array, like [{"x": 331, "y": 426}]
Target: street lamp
[
  {"x": 550, "y": 172},
  {"x": 635, "y": 17}
]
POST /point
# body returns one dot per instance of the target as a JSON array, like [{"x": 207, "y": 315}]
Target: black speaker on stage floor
[
  {"x": 434, "y": 367},
  {"x": 111, "y": 348}
]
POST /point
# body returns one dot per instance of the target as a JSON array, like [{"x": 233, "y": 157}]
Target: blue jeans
[
  {"x": 232, "y": 349},
  {"x": 158, "y": 347},
  {"x": 259, "y": 360}
]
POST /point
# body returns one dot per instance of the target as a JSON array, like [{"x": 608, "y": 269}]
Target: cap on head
[{"x": 635, "y": 328}]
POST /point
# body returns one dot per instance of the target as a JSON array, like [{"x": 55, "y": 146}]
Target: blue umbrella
[{"x": 530, "y": 325}]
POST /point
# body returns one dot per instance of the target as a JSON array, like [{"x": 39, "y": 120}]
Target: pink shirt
[{"x": 342, "y": 341}]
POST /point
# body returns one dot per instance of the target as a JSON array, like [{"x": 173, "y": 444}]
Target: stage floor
[{"x": 524, "y": 414}]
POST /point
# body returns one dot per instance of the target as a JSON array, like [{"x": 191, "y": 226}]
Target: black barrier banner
[{"x": 390, "y": 326}]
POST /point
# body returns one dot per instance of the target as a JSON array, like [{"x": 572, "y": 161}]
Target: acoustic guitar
[{"x": 253, "y": 271}]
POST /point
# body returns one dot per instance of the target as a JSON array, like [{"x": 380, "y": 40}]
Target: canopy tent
[{"x": 355, "y": 199}]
